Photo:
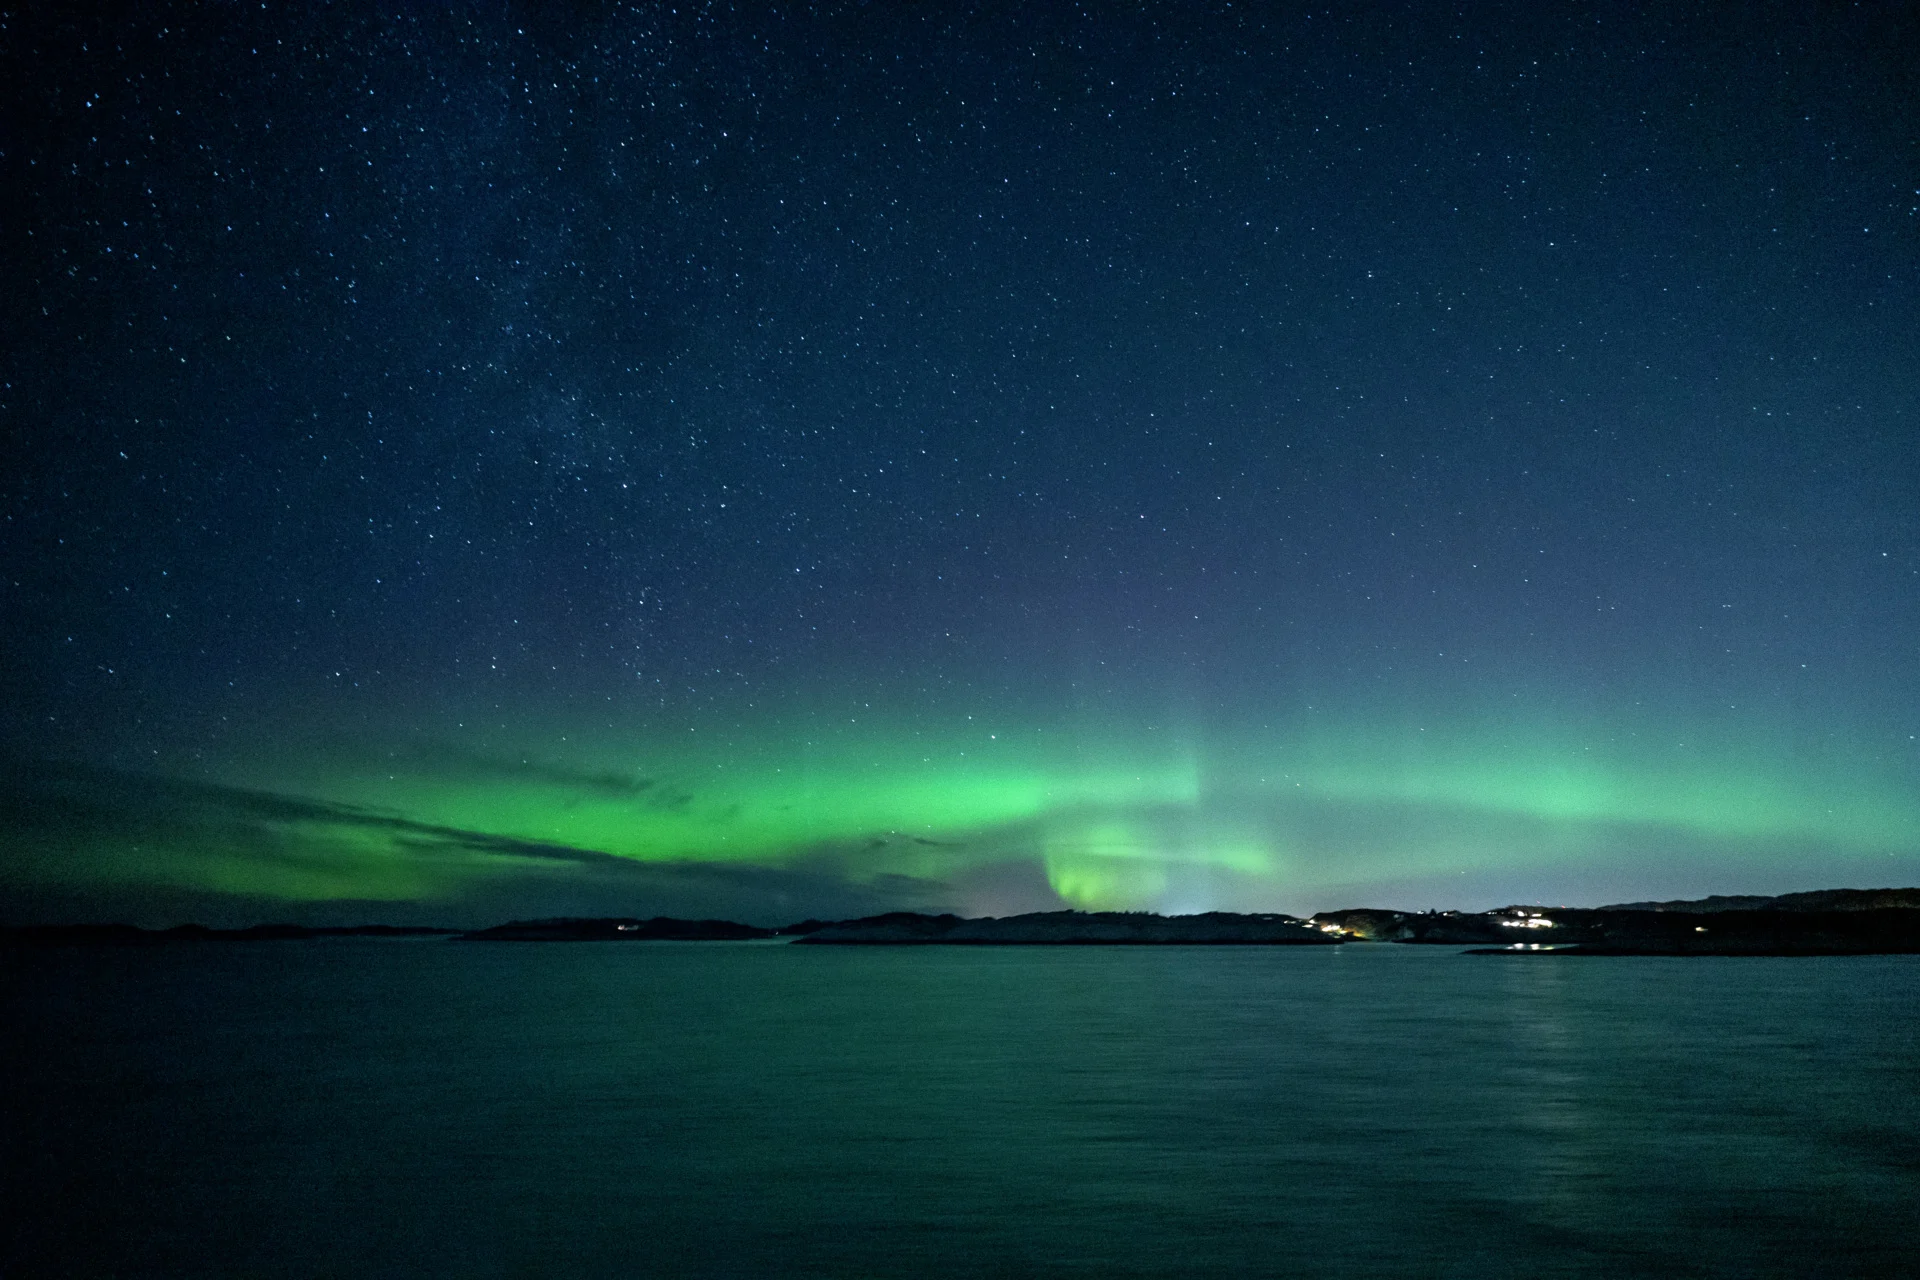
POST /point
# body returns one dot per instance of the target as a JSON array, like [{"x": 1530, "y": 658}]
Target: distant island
[
  {"x": 1075, "y": 928},
  {"x": 1824, "y": 922}
]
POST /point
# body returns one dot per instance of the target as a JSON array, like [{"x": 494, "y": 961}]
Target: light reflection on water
[{"x": 399, "y": 1108}]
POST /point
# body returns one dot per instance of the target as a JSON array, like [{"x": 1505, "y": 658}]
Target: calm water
[{"x": 363, "y": 1108}]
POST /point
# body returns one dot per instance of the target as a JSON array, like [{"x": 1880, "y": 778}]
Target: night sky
[{"x": 808, "y": 460}]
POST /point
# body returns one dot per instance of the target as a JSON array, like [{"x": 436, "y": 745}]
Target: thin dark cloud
[
  {"x": 85, "y": 842},
  {"x": 446, "y": 757},
  {"x": 76, "y": 796}
]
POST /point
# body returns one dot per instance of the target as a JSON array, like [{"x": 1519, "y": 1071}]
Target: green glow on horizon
[
  {"x": 1115, "y": 817},
  {"x": 1710, "y": 791},
  {"x": 765, "y": 815}
]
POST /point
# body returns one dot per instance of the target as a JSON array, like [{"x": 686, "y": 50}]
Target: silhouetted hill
[
  {"x": 1067, "y": 928},
  {"x": 1718, "y": 930},
  {"x": 1861, "y": 931},
  {"x": 1823, "y": 922},
  {"x": 1816, "y": 900}
]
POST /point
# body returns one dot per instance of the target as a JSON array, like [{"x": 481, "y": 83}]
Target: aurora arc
[{"x": 1123, "y": 819}]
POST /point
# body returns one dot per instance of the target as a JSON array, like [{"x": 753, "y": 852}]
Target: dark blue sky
[{"x": 1428, "y": 453}]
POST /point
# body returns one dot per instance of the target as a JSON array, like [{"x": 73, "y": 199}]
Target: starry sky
[{"x": 767, "y": 461}]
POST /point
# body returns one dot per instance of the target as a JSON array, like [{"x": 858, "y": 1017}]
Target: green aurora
[{"x": 1299, "y": 817}]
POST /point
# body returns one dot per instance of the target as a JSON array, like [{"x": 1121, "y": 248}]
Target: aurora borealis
[{"x": 771, "y": 461}]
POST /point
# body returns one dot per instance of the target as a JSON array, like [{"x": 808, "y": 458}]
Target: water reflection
[{"x": 595, "y": 1109}]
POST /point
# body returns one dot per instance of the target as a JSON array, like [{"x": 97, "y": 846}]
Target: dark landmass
[
  {"x": 1718, "y": 930},
  {"x": 658, "y": 929},
  {"x": 1825, "y": 922},
  {"x": 55, "y": 935},
  {"x": 1817, "y": 900},
  {"x": 1071, "y": 928}
]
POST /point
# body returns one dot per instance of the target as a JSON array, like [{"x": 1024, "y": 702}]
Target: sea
[{"x": 422, "y": 1107}]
